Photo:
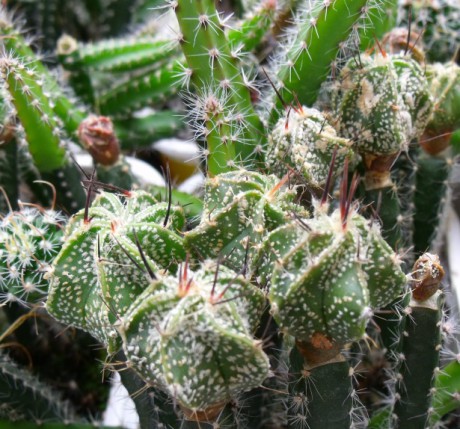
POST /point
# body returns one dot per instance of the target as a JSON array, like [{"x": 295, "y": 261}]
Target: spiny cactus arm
[
  {"x": 134, "y": 132},
  {"x": 215, "y": 68},
  {"x": 41, "y": 126},
  {"x": 308, "y": 62},
  {"x": 14, "y": 42},
  {"x": 446, "y": 397},
  {"x": 419, "y": 360},
  {"x": 118, "y": 174},
  {"x": 28, "y": 397},
  {"x": 250, "y": 32},
  {"x": 315, "y": 387},
  {"x": 139, "y": 91},
  {"x": 115, "y": 55}
]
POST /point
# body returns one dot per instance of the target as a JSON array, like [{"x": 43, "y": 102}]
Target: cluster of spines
[{"x": 29, "y": 240}]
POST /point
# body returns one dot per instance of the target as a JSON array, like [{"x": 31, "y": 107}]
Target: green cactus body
[
  {"x": 137, "y": 91},
  {"x": 232, "y": 126},
  {"x": 327, "y": 279},
  {"x": 421, "y": 346},
  {"x": 305, "y": 141},
  {"x": 382, "y": 103},
  {"x": 249, "y": 32},
  {"x": 322, "y": 31},
  {"x": 42, "y": 129},
  {"x": 314, "y": 389},
  {"x": 25, "y": 397},
  {"x": 114, "y": 55},
  {"x": 29, "y": 240},
  {"x": 90, "y": 283},
  {"x": 69, "y": 114},
  {"x": 194, "y": 339},
  {"x": 444, "y": 81},
  {"x": 238, "y": 206}
]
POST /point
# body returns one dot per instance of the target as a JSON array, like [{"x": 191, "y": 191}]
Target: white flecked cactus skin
[
  {"x": 329, "y": 275},
  {"x": 90, "y": 282},
  {"x": 193, "y": 337},
  {"x": 305, "y": 141},
  {"x": 382, "y": 103}
]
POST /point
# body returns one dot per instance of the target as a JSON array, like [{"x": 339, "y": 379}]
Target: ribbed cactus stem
[
  {"x": 419, "y": 359},
  {"x": 320, "y": 381},
  {"x": 216, "y": 68}
]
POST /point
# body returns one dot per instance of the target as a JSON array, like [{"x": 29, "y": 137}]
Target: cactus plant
[{"x": 273, "y": 297}]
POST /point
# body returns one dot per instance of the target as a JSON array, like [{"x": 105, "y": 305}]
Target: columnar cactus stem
[
  {"x": 421, "y": 344},
  {"x": 215, "y": 67},
  {"x": 321, "y": 33},
  {"x": 319, "y": 379}
]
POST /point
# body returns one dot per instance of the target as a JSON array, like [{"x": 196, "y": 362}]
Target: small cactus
[
  {"x": 203, "y": 321},
  {"x": 29, "y": 241}
]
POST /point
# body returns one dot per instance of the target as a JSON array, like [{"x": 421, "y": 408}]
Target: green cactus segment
[
  {"x": 363, "y": 96},
  {"x": 238, "y": 206},
  {"x": 382, "y": 419},
  {"x": 91, "y": 282},
  {"x": 327, "y": 279},
  {"x": 118, "y": 174},
  {"x": 319, "y": 396},
  {"x": 446, "y": 394},
  {"x": 429, "y": 199},
  {"x": 321, "y": 32},
  {"x": 203, "y": 322},
  {"x": 70, "y": 115},
  {"x": 421, "y": 347},
  {"x": 380, "y": 19},
  {"x": 27, "y": 398},
  {"x": 41, "y": 126},
  {"x": 249, "y": 33},
  {"x": 215, "y": 68},
  {"x": 115, "y": 55},
  {"x": 138, "y": 91},
  {"x": 444, "y": 81},
  {"x": 305, "y": 141},
  {"x": 29, "y": 240},
  {"x": 142, "y": 131},
  {"x": 385, "y": 203}
]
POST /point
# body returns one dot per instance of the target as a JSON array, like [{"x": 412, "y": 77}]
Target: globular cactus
[
  {"x": 85, "y": 288},
  {"x": 361, "y": 98},
  {"x": 344, "y": 254},
  {"x": 240, "y": 207},
  {"x": 305, "y": 141},
  {"x": 29, "y": 241},
  {"x": 192, "y": 337}
]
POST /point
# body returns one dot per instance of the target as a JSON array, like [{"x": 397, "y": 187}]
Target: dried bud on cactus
[
  {"x": 427, "y": 276},
  {"x": 98, "y": 136}
]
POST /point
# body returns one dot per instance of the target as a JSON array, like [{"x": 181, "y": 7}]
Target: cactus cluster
[{"x": 289, "y": 293}]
